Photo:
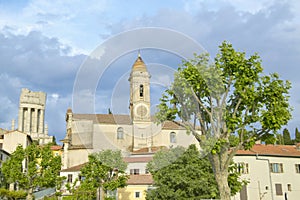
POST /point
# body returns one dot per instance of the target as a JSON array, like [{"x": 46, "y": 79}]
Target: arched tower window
[
  {"x": 120, "y": 133},
  {"x": 141, "y": 90},
  {"x": 173, "y": 137}
]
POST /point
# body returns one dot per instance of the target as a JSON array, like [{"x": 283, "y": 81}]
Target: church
[{"x": 136, "y": 132}]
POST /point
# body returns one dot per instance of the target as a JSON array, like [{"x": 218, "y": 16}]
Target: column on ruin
[
  {"x": 35, "y": 121},
  {"x": 21, "y": 119},
  {"x": 41, "y": 121},
  {"x": 28, "y": 121}
]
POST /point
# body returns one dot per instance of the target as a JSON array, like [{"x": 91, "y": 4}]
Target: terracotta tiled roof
[
  {"x": 271, "y": 150},
  {"x": 146, "y": 150},
  {"x": 143, "y": 159},
  {"x": 142, "y": 179},
  {"x": 55, "y": 147},
  {"x": 76, "y": 168},
  {"x": 172, "y": 125},
  {"x": 104, "y": 118}
]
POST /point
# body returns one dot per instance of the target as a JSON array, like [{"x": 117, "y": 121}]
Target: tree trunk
[
  {"x": 221, "y": 173},
  {"x": 223, "y": 186},
  {"x": 29, "y": 194}
]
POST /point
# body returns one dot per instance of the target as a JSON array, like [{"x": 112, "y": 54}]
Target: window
[
  {"x": 276, "y": 167},
  {"x": 70, "y": 176},
  {"x": 137, "y": 194},
  {"x": 297, "y": 168},
  {"x": 147, "y": 171},
  {"x": 120, "y": 133},
  {"x": 134, "y": 171},
  {"x": 173, "y": 137},
  {"x": 278, "y": 188},
  {"x": 141, "y": 90},
  {"x": 242, "y": 168},
  {"x": 1, "y": 156},
  {"x": 289, "y": 187}
]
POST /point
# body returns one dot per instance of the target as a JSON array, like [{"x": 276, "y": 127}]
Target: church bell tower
[
  {"x": 139, "y": 92},
  {"x": 139, "y": 105}
]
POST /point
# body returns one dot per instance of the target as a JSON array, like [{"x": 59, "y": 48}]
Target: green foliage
[
  {"x": 297, "y": 136},
  {"x": 20, "y": 194},
  {"x": 184, "y": 174},
  {"x": 42, "y": 168},
  {"x": 231, "y": 96},
  {"x": 105, "y": 169},
  {"x": 279, "y": 139},
  {"x": 287, "y": 137}
]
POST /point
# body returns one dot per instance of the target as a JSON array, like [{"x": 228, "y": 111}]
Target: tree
[
  {"x": 105, "y": 170},
  {"x": 287, "y": 137},
  {"x": 279, "y": 139},
  {"x": 32, "y": 167},
  {"x": 297, "y": 136},
  {"x": 180, "y": 173},
  {"x": 231, "y": 96}
]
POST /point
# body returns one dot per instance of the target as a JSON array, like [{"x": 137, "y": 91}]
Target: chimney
[{"x": 13, "y": 124}]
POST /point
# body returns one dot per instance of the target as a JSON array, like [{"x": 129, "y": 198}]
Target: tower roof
[{"x": 139, "y": 64}]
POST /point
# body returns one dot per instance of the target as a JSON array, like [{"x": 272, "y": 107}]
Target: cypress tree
[{"x": 287, "y": 137}]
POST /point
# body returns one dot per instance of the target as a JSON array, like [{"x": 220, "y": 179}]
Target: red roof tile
[
  {"x": 55, "y": 147},
  {"x": 76, "y": 168},
  {"x": 172, "y": 125},
  {"x": 146, "y": 150},
  {"x": 142, "y": 179},
  {"x": 272, "y": 150},
  {"x": 144, "y": 159},
  {"x": 104, "y": 118}
]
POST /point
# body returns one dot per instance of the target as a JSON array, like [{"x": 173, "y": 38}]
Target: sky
[{"x": 45, "y": 46}]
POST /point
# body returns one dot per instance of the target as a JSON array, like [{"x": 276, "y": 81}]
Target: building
[
  {"x": 273, "y": 172},
  {"x": 12, "y": 139},
  {"x": 88, "y": 133},
  {"x": 139, "y": 178},
  {"x": 31, "y": 118}
]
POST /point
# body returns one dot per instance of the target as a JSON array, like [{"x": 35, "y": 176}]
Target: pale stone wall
[
  {"x": 261, "y": 179},
  {"x": 77, "y": 157},
  {"x": 13, "y": 139},
  {"x": 82, "y": 133}
]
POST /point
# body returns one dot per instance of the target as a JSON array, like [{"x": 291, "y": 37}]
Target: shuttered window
[{"x": 276, "y": 167}]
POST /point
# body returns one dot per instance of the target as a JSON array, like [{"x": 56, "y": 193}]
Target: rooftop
[
  {"x": 272, "y": 150},
  {"x": 142, "y": 179}
]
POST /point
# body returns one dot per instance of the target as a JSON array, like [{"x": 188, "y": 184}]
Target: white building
[{"x": 273, "y": 172}]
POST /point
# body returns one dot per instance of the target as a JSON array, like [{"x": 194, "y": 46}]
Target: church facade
[{"x": 89, "y": 133}]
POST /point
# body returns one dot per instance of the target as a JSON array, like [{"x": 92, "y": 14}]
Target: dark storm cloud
[{"x": 39, "y": 63}]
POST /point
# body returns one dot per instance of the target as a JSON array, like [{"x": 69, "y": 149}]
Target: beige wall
[
  {"x": 260, "y": 177},
  {"x": 13, "y": 139},
  {"x": 77, "y": 157},
  {"x": 128, "y": 192}
]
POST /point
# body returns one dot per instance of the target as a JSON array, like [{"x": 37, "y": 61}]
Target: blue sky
[{"x": 44, "y": 43}]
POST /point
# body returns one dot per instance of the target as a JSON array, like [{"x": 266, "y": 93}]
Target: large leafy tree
[
  {"x": 32, "y": 167},
  {"x": 230, "y": 96},
  {"x": 180, "y": 173},
  {"x": 105, "y": 171}
]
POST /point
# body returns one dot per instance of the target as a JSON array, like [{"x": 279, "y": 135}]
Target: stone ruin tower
[{"x": 31, "y": 118}]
